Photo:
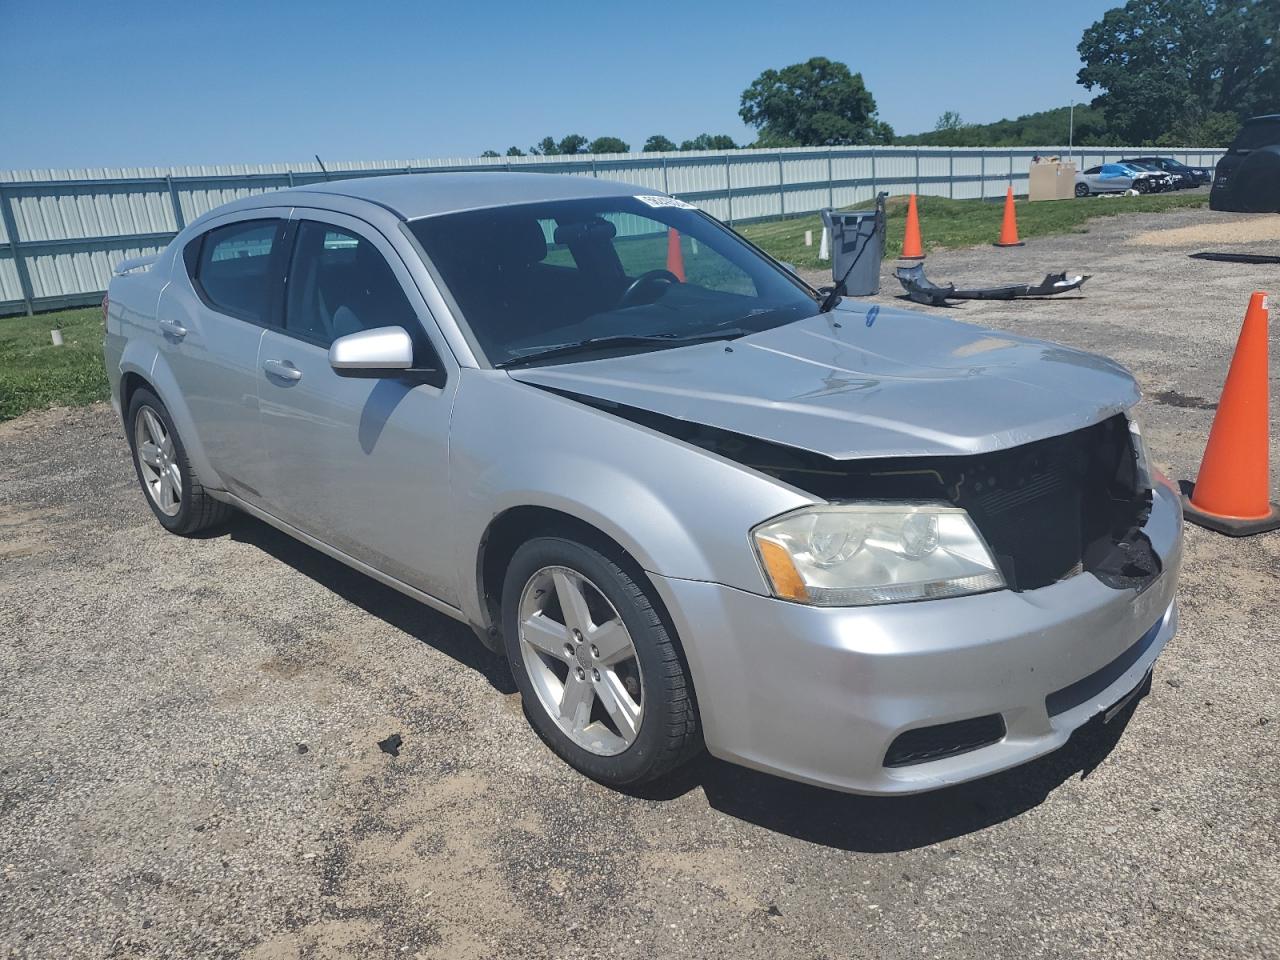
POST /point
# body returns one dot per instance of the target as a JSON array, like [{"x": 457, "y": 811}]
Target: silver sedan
[
  {"x": 689, "y": 499},
  {"x": 1120, "y": 178}
]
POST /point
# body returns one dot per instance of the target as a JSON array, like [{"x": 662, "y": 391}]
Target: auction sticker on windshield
[{"x": 666, "y": 202}]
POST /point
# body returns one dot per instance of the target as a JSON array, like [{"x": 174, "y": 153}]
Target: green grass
[
  {"x": 35, "y": 374},
  {"x": 963, "y": 223}
]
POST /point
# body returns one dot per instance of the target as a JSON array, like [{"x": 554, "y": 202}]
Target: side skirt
[{"x": 358, "y": 565}]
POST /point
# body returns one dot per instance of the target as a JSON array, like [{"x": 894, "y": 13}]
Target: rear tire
[
  {"x": 1082, "y": 189},
  {"x": 169, "y": 483},
  {"x": 622, "y": 712}
]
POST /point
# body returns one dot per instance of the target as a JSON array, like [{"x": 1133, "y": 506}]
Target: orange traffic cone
[
  {"x": 1231, "y": 493},
  {"x": 675, "y": 258},
  {"x": 1009, "y": 227},
  {"x": 911, "y": 248}
]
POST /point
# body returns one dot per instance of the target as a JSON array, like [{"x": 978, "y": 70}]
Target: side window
[
  {"x": 339, "y": 283},
  {"x": 232, "y": 271}
]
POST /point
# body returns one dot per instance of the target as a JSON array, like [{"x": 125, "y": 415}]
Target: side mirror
[{"x": 372, "y": 353}]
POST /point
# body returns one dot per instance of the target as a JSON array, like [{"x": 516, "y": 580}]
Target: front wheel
[
  {"x": 1142, "y": 186},
  {"x": 1082, "y": 189},
  {"x": 602, "y": 680}
]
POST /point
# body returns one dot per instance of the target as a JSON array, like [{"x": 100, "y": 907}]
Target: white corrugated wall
[{"x": 74, "y": 225}]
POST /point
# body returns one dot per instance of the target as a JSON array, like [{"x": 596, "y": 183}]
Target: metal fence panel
[
  {"x": 61, "y": 231},
  {"x": 10, "y": 288}
]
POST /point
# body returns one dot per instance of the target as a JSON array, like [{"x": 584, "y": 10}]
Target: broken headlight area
[
  {"x": 855, "y": 554},
  {"x": 1046, "y": 510}
]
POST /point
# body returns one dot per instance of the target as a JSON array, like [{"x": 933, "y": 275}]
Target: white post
[
  {"x": 824, "y": 249},
  {"x": 1071, "y": 134},
  {"x": 808, "y": 238},
  {"x": 56, "y": 337}
]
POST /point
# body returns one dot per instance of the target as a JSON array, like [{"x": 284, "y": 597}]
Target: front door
[{"x": 359, "y": 463}]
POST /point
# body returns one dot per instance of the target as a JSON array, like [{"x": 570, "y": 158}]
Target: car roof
[{"x": 413, "y": 195}]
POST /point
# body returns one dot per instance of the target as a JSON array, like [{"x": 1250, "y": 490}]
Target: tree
[
  {"x": 1166, "y": 66},
  {"x": 573, "y": 143},
  {"x": 549, "y": 147},
  {"x": 608, "y": 145},
  {"x": 658, "y": 144},
  {"x": 816, "y": 103},
  {"x": 710, "y": 141},
  {"x": 491, "y": 153},
  {"x": 1210, "y": 130},
  {"x": 950, "y": 130},
  {"x": 1029, "y": 130},
  {"x": 514, "y": 152}
]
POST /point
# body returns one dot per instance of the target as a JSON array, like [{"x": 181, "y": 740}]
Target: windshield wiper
[{"x": 623, "y": 340}]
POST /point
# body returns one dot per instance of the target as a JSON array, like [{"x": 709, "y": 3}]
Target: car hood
[{"x": 864, "y": 381}]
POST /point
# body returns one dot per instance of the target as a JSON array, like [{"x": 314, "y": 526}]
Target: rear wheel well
[{"x": 129, "y": 383}]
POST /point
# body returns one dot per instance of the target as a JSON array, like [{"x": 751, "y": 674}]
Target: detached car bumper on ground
[{"x": 691, "y": 500}]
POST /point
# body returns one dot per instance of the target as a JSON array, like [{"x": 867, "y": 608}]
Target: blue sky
[{"x": 121, "y": 83}]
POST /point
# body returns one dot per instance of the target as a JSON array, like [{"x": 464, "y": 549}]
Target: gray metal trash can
[{"x": 857, "y": 240}]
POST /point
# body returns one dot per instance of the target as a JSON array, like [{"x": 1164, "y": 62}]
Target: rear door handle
[
  {"x": 282, "y": 369},
  {"x": 171, "y": 328}
]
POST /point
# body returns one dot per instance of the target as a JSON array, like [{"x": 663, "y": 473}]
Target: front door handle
[
  {"x": 282, "y": 369},
  {"x": 171, "y": 328}
]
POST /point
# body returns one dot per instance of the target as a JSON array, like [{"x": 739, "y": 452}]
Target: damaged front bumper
[
  {"x": 911, "y": 697},
  {"x": 923, "y": 290}
]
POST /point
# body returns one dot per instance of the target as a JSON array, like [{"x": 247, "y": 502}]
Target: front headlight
[{"x": 846, "y": 555}]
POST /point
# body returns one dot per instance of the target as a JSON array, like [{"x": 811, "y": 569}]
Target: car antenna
[{"x": 322, "y": 169}]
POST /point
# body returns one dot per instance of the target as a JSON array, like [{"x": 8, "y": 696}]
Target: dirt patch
[
  {"x": 1255, "y": 228},
  {"x": 1172, "y": 398}
]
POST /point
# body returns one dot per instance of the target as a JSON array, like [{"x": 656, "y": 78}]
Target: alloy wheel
[
  {"x": 157, "y": 462},
  {"x": 581, "y": 660}
]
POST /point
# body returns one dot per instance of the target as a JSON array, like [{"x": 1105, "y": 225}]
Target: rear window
[
  {"x": 232, "y": 268},
  {"x": 1256, "y": 134}
]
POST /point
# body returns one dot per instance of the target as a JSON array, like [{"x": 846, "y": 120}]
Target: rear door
[
  {"x": 211, "y": 321},
  {"x": 359, "y": 463}
]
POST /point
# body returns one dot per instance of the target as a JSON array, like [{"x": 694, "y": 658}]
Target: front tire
[
  {"x": 169, "y": 484},
  {"x": 1082, "y": 189},
  {"x": 603, "y": 681},
  {"x": 1142, "y": 186}
]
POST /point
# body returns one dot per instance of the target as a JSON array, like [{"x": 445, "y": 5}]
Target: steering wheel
[{"x": 630, "y": 296}]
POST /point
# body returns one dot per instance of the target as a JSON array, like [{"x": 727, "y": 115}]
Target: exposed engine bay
[{"x": 1048, "y": 510}]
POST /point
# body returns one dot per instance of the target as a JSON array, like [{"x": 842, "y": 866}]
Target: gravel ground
[{"x": 189, "y": 764}]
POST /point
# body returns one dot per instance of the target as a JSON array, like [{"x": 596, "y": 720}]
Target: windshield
[{"x": 546, "y": 276}]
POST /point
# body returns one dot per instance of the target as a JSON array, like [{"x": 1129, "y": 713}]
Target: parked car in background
[
  {"x": 1185, "y": 177},
  {"x": 1160, "y": 182},
  {"x": 689, "y": 498},
  {"x": 1119, "y": 178},
  {"x": 1248, "y": 177}
]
